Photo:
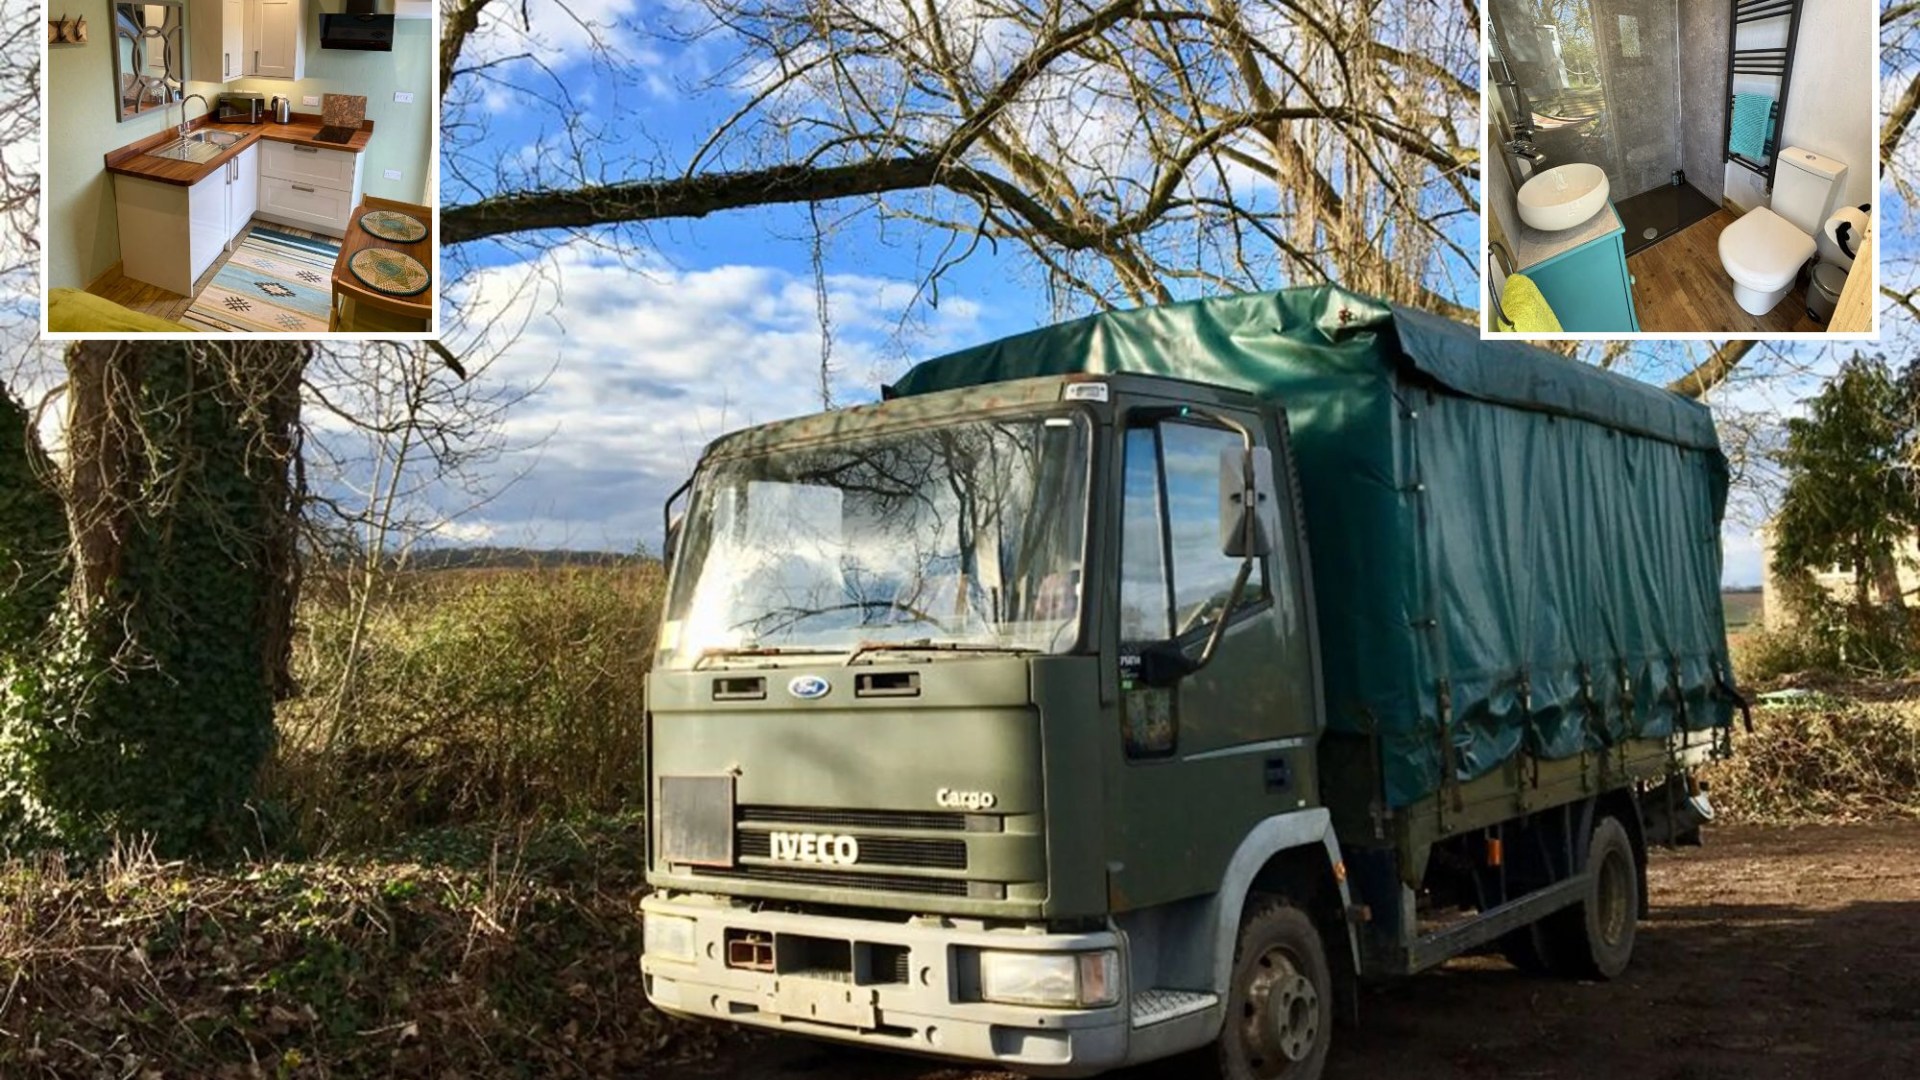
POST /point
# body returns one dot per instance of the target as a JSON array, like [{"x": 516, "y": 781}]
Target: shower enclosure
[{"x": 1599, "y": 81}]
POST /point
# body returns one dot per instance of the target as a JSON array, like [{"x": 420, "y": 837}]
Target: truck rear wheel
[
  {"x": 1594, "y": 938},
  {"x": 1279, "y": 1022}
]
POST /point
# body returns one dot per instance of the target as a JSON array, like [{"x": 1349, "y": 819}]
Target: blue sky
[{"x": 653, "y": 341}]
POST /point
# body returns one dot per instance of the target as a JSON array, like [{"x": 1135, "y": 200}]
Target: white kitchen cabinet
[
  {"x": 310, "y": 187},
  {"x": 276, "y": 39},
  {"x": 243, "y": 193},
  {"x": 219, "y": 40},
  {"x": 170, "y": 234},
  {"x": 207, "y": 203}
]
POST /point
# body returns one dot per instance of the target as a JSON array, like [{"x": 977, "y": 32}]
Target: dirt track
[{"x": 1769, "y": 953}]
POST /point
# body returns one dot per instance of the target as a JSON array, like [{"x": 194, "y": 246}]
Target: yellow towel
[{"x": 1527, "y": 311}]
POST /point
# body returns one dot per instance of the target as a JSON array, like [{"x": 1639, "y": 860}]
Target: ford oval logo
[{"x": 808, "y": 687}]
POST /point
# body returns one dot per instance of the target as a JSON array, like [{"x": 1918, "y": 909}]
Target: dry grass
[
  {"x": 459, "y": 955},
  {"x": 1850, "y": 752},
  {"x": 475, "y": 696}
]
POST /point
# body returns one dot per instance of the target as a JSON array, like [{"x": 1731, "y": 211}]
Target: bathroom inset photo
[
  {"x": 1681, "y": 167},
  {"x": 241, "y": 167}
]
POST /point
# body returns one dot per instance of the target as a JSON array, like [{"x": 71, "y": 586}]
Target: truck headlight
[
  {"x": 1057, "y": 980},
  {"x": 669, "y": 937}
]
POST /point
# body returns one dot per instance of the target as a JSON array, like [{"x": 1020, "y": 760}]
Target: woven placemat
[
  {"x": 392, "y": 272},
  {"x": 393, "y": 225}
]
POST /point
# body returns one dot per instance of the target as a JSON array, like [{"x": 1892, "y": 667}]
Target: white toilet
[{"x": 1766, "y": 248}]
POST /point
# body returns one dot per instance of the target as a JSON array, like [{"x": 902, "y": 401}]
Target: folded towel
[
  {"x": 1527, "y": 311},
  {"x": 1752, "y": 127}
]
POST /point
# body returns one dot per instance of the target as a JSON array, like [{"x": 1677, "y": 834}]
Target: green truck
[{"x": 1154, "y": 681}]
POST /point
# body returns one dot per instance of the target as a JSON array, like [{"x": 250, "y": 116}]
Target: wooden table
[{"x": 356, "y": 307}]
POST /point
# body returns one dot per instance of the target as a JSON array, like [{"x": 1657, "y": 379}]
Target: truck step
[{"x": 1158, "y": 1005}]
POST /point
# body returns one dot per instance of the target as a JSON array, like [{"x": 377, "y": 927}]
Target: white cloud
[{"x": 650, "y": 362}]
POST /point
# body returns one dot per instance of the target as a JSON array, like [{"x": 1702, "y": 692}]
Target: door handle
[
  {"x": 256, "y": 61},
  {"x": 307, "y": 149},
  {"x": 226, "y": 63},
  {"x": 308, "y": 190}
]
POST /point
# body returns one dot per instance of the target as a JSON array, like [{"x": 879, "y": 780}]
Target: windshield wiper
[
  {"x": 718, "y": 652},
  {"x": 929, "y": 645}
]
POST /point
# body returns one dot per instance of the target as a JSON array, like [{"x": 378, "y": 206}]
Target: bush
[
  {"x": 474, "y": 696},
  {"x": 1878, "y": 643},
  {"x": 1823, "y": 758},
  {"x": 466, "y": 954}
]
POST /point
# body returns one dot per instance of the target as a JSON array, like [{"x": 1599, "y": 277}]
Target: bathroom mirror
[{"x": 149, "y": 55}]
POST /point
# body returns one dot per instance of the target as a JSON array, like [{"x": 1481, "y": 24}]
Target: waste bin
[{"x": 1823, "y": 291}]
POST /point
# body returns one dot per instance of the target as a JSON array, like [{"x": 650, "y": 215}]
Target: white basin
[{"x": 1563, "y": 196}]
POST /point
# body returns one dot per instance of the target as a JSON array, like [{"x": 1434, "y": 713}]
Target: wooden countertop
[
  {"x": 1854, "y": 312},
  {"x": 134, "y": 159},
  {"x": 358, "y": 239}
]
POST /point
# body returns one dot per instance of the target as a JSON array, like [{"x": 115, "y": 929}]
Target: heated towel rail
[{"x": 1774, "y": 62}]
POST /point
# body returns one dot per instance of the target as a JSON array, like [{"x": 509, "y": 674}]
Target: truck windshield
[{"x": 964, "y": 534}]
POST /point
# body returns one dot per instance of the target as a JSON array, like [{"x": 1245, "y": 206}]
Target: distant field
[{"x": 1743, "y": 610}]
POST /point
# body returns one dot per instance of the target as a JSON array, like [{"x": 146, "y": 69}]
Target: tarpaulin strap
[
  {"x": 1727, "y": 688},
  {"x": 1589, "y": 718},
  {"x": 1626, "y": 711},
  {"x": 1525, "y": 686},
  {"x": 1677, "y": 730},
  {"x": 1447, "y": 762}
]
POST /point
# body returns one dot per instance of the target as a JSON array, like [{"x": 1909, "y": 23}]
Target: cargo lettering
[
  {"x": 964, "y": 800},
  {"x": 827, "y": 849}
]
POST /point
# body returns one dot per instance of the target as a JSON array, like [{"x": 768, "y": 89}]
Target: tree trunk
[{"x": 103, "y": 379}]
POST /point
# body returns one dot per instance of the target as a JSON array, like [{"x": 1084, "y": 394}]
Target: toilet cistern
[{"x": 1764, "y": 250}]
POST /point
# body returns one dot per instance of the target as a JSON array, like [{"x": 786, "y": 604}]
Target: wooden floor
[
  {"x": 153, "y": 300},
  {"x": 1679, "y": 285}
]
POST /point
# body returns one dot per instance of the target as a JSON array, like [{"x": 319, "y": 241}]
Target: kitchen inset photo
[
  {"x": 1681, "y": 167},
  {"x": 241, "y": 167}
]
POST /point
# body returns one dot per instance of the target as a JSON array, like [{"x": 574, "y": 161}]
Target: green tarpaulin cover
[{"x": 1530, "y": 539}]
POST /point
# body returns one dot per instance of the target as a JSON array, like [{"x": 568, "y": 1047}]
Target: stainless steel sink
[{"x": 198, "y": 146}]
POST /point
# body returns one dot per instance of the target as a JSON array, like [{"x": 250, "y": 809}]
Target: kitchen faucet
[{"x": 183, "y": 110}]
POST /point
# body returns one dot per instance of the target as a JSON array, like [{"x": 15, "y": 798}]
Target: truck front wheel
[{"x": 1279, "y": 1021}]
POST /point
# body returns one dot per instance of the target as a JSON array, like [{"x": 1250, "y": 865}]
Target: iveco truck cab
[{"x": 1148, "y": 682}]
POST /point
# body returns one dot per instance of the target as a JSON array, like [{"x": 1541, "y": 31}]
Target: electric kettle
[{"x": 282, "y": 109}]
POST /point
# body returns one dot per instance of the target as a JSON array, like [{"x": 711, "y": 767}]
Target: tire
[
  {"x": 1523, "y": 949},
  {"x": 1279, "y": 1023},
  {"x": 1594, "y": 938}
]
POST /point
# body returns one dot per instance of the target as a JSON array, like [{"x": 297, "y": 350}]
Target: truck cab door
[{"x": 1205, "y": 758}]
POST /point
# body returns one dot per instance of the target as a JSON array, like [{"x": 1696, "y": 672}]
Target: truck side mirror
[
  {"x": 671, "y": 522},
  {"x": 1164, "y": 663},
  {"x": 1246, "y": 501},
  {"x": 673, "y": 539}
]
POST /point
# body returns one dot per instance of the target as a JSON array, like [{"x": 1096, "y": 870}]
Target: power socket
[
  {"x": 393, "y": 174},
  {"x": 403, "y": 97},
  {"x": 310, "y": 99}
]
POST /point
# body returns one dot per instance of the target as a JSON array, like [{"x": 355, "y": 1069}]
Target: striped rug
[{"x": 274, "y": 283}]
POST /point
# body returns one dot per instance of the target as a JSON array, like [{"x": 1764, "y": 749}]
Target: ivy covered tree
[
  {"x": 1850, "y": 498},
  {"x": 136, "y": 700},
  {"x": 33, "y": 532}
]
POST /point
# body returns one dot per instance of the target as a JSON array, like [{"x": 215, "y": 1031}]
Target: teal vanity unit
[{"x": 1588, "y": 286}]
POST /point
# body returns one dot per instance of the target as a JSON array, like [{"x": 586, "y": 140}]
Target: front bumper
[{"x": 917, "y": 1005}]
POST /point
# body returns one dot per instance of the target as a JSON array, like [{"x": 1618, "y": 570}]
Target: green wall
[
  {"x": 83, "y": 239},
  {"x": 402, "y": 134}
]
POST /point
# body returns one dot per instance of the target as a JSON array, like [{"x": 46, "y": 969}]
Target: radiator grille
[
  {"x": 872, "y": 819},
  {"x": 880, "y": 851},
  {"x": 840, "y": 879}
]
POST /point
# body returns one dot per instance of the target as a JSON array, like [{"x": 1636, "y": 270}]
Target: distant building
[{"x": 1836, "y": 580}]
